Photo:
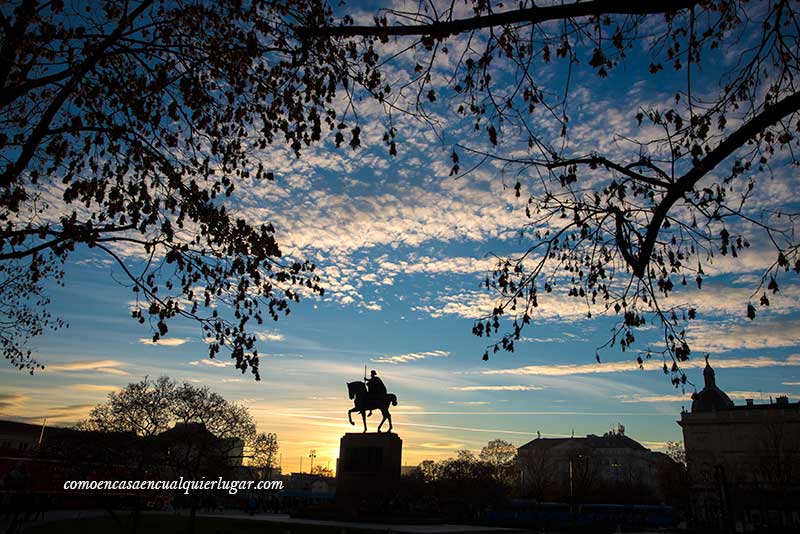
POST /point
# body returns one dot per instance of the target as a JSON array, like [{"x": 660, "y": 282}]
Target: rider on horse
[
  {"x": 370, "y": 395},
  {"x": 375, "y": 386}
]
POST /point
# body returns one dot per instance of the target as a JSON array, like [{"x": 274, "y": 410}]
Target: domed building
[
  {"x": 711, "y": 398},
  {"x": 743, "y": 461}
]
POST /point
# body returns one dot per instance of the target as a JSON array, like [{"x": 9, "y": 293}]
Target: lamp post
[{"x": 312, "y": 454}]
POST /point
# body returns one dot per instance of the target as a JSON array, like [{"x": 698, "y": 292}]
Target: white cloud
[
  {"x": 411, "y": 356},
  {"x": 430, "y": 265},
  {"x": 210, "y": 362},
  {"x": 496, "y": 388},
  {"x": 468, "y": 304},
  {"x": 404, "y": 214},
  {"x": 709, "y": 336},
  {"x": 627, "y": 366},
  {"x": 164, "y": 341},
  {"x": 101, "y": 366},
  {"x": 372, "y": 306},
  {"x": 635, "y": 399},
  {"x": 270, "y": 336},
  {"x": 714, "y": 300},
  {"x": 736, "y": 395}
]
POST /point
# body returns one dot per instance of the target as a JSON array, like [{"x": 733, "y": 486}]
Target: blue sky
[{"x": 402, "y": 248}]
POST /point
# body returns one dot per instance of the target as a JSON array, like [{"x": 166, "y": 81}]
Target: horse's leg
[
  {"x": 364, "y": 418},
  {"x": 350, "y": 416},
  {"x": 387, "y": 416},
  {"x": 384, "y": 413}
]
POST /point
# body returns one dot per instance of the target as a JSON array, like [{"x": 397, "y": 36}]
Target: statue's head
[{"x": 373, "y": 373}]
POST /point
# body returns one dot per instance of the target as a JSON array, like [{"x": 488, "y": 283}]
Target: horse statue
[{"x": 364, "y": 402}]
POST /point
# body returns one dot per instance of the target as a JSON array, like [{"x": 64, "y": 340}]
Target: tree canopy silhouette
[
  {"x": 615, "y": 227},
  {"x": 128, "y": 126},
  {"x": 151, "y": 409},
  {"x": 162, "y": 428},
  {"x": 125, "y": 128}
]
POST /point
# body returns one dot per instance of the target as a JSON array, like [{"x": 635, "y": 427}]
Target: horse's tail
[{"x": 393, "y": 398}]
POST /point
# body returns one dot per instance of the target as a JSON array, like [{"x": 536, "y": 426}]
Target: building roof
[
  {"x": 711, "y": 398},
  {"x": 607, "y": 441},
  {"x": 17, "y": 427}
]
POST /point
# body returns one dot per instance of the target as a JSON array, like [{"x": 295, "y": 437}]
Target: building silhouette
[
  {"x": 45, "y": 456},
  {"x": 594, "y": 468},
  {"x": 743, "y": 461}
]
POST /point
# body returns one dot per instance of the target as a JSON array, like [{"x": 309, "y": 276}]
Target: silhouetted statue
[
  {"x": 375, "y": 386},
  {"x": 374, "y": 398}
]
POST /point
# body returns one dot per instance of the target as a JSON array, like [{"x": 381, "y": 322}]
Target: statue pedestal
[{"x": 368, "y": 467}]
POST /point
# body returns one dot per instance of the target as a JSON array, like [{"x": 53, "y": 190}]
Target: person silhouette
[{"x": 375, "y": 386}]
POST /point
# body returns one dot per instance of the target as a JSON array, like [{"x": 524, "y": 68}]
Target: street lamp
[{"x": 312, "y": 454}]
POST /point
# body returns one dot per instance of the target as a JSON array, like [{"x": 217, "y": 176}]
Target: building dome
[{"x": 711, "y": 398}]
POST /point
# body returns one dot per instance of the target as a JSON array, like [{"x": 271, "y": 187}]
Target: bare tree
[
  {"x": 175, "y": 430},
  {"x": 538, "y": 474},
  {"x": 778, "y": 458},
  {"x": 584, "y": 474},
  {"x": 263, "y": 454},
  {"x": 322, "y": 471},
  {"x": 501, "y": 456}
]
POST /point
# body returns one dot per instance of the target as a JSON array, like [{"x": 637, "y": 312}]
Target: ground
[{"x": 261, "y": 524}]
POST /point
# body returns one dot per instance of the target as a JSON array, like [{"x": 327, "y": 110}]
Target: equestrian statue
[{"x": 370, "y": 395}]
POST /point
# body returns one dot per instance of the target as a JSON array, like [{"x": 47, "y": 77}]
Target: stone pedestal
[{"x": 368, "y": 467}]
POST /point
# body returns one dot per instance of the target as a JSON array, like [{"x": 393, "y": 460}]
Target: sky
[{"x": 402, "y": 249}]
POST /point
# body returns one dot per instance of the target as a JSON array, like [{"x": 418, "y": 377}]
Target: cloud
[
  {"x": 60, "y": 414},
  {"x": 714, "y": 300},
  {"x": 94, "y": 388},
  {"x": 737, "y": 395},
  {"x": 431, "y": 265},
  {"x": 496, "y": 388},
  {"x": 791, "y": 383},
  {"x": 164, "y": 341},
  {"x": 469, "y": 403},
  {"x": 654, "y": 445},
  {"x": 411, "y": 356},
  {"x": 627, "y": 366},
  {"x": 635, "y": 399},
  {"x": 403, "y": 214},
  {"x": 468, "y": 304},
  {"x": 209, "y": 361},
  {"x": 101, "y": 366},
  {"x": 270, "y": 336},
  {"x": 448, "y": 446},
  {"x": 543, "y": 339},
  {"x": 760, "y": 334},
  {"x": 11, "y": 401},
  {"x": 336, "y": 422}
]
